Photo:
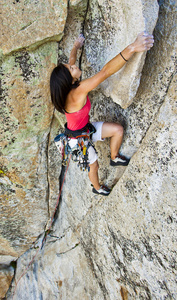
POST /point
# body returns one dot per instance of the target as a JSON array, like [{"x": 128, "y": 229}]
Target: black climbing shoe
[
  {"x": 120, "y": 160},
  {"x": 104, "y": 190}
]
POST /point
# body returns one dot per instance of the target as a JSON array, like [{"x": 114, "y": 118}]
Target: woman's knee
[
  {"x": 112, "y": 129},
  {"x": 119, "y": 129}
]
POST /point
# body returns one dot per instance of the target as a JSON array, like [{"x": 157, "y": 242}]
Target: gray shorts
[{"x": 95, "y": 137}]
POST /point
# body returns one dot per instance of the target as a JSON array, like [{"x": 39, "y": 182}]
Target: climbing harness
[{"x": 79, "y": 153}]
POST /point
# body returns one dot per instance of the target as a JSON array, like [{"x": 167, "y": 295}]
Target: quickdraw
[{"x": 79, "y": 153}]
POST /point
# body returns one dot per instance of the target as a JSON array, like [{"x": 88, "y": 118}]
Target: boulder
[
  {"x": 26, "y": 115},
  {"x": 28, "y": 24},
  {"x": 116, "y": 25}
]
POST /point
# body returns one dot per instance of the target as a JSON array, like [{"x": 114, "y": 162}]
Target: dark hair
[{"x": 60, "y": 85}]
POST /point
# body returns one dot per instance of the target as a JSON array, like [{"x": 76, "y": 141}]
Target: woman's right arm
[{"x": 142, "y": 43}]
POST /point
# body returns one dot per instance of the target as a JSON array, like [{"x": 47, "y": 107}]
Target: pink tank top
[{"x": 80, "y": 118}]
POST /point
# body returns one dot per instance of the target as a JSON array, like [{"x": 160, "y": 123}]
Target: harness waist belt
[{"x": 74, "y": 133}]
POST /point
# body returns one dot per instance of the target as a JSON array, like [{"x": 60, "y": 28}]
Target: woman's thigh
[{"x": 111, "y": 129}]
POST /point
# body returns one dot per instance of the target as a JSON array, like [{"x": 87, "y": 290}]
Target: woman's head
[
  {"x": 74, "y": 71},
  {"x": 61, "y": 83}
]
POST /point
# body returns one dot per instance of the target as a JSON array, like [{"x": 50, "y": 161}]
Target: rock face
[
  {"x": 116, "y": 24},
  {"x": 26, "y": 115},
  {"x": 27, "y": 23},
  {"x": 119, "y": 247}
]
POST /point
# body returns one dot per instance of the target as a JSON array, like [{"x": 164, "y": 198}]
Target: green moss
[
  {"x": 2, "y": 172},
  {"x": 8, "y": 64},
  {"x": 1, "y": 55},
  {"x": 24, "y": 140}
]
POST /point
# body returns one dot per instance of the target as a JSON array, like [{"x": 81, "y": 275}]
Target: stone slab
[
  {"x": 116, "y": 24},
  {"x": 27, "y": 23},
  {"x": 26, "y": 114}
]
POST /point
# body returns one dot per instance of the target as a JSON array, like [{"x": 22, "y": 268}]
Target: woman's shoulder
[{"x": 75, "y": 101}]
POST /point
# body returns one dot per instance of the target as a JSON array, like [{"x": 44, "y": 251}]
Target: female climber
[{"x": 69, "y": 95}]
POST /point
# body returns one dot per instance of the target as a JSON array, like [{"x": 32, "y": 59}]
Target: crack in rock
[{"x": 64, "y": 252}]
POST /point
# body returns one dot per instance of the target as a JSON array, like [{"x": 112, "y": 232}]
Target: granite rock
[
  {"x": 28, "y": 24},
  {"x": 116, "y": 24},
  {"x": 26, "y": 115},
  {"x": 121, "y": 247}
]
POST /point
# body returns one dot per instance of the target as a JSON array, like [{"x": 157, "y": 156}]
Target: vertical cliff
[{"x": 121, "y": 247}]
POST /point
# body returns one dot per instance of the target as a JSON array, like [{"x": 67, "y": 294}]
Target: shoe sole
[
  {"x": 95, "y": 192},
  {"x": 119, "y": 163}
]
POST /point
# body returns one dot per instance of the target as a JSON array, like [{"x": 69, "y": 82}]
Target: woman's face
[{"x": 74, "y": 70}]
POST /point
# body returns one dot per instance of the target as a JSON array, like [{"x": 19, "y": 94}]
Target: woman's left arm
[{"x": 77, "y": 45}]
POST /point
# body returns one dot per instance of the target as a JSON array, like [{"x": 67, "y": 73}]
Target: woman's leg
[
  {"x": 115, "y": 132},
  {"x": 93, "y": 175}
]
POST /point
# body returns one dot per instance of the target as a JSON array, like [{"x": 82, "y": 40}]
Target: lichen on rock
[{"x": 26, "y": 113}]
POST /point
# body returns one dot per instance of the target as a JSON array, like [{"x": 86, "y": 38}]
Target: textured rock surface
[
  {"x": 6, "y": 275},
  {"x": 26, "y": 114},
  {"x": 116, "y": 24},
  {"x": 27, "y": 23},
  {"x": 122, "y": 247}
]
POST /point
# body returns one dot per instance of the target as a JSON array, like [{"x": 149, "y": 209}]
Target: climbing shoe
[
  {"x": 120, "y": 160},
  {"x": 104, "y": 190}
]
